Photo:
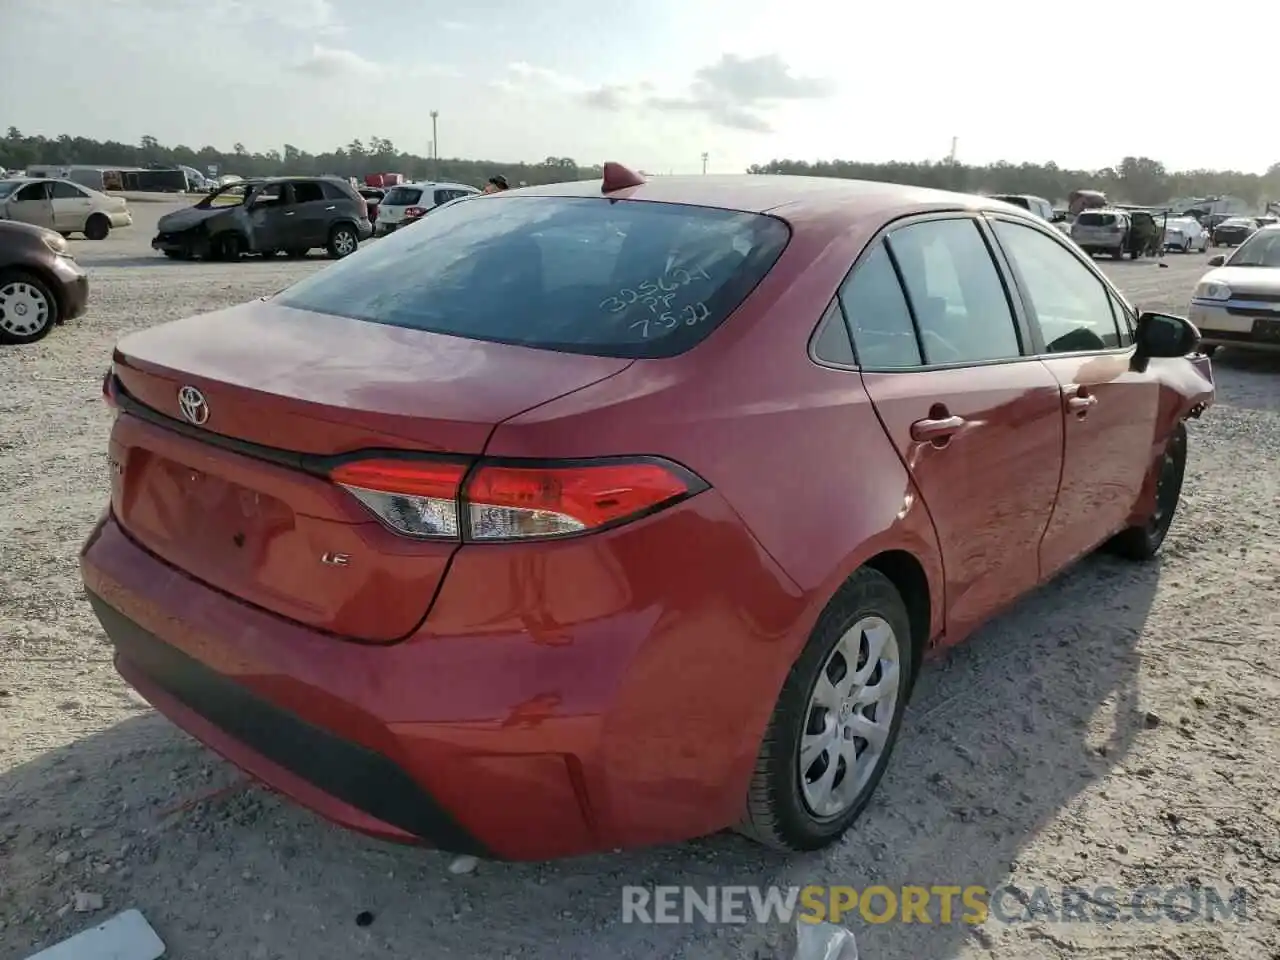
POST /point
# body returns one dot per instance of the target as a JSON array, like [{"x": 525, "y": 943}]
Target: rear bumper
[{"x": 607, "y": 692}]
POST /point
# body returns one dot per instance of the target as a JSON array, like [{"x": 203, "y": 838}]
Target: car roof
[
  {"x": 433, "y": 183},
  {"x": 799, "y": 200}
]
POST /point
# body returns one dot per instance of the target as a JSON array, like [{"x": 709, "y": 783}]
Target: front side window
[
  {"x": 1071, "y": 305},
  {"x": 32, "y": 191},
  {"x": 575, "y": 274},
  {"x": 959, "y": 301},
  {"x": 879, "y": 318}
]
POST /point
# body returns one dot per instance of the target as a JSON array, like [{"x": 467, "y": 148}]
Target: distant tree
[{"x": 1133, "y": 179}]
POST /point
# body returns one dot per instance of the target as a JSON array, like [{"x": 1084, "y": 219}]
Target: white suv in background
[{"x": 408, "y": 201}]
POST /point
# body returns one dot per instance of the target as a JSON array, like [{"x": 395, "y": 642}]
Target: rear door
[
  {"x": 977, "y": 422},
  {"x": 313, "y": 213},
  {"x": 1081, "y": 330},
  {"x": 32, "y": 204},
  {"x": 71, "y": 206}
]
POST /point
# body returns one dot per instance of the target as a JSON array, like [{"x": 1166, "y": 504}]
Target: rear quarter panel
[{"x": 795, "y": 448}]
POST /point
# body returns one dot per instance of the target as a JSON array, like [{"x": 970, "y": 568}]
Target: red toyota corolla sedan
[{"x": 605, "y": 514}]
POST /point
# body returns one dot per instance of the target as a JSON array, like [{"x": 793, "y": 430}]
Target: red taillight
[
  {"x": 412, "y": 213},
  {"x": 501, "y": 501},
  {"x": 414, "y": 497},
  {"x": 511, "y": 503}
]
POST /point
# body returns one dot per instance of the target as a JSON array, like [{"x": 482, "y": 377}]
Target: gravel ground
[{"x": 1119, "y": 727}]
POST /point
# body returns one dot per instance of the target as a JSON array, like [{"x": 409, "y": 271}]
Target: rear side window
[
  {"x": 955, "y": 292},
  {"x": 334, "y": 192},
  {"x": 307, "y": 191},
  {"x": 1088, "y": 219},
  {"x": 575, "y": 274},
  {"x": 65, "y": 190},
  {"x": 402, "y": 197},
  {"x": 878, "y": 315}
]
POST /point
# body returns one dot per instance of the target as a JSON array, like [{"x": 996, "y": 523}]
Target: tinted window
[
  {"x": 1016, "y": 201},
  {"x": 1087, "y": 219},
  {"x": 882, "y": 330},
  {"x": 444, "y": 196},
  {"x": 307, "y": 191},
  {"x": 32, "y": 191},
  {"x": 1071, "y": 305},
  {"x": 402, "y": 196},
  {"x": 956, "y": 294},
  {"x": 62, "y": 190},
  {"x": 577, "y": 274},
  {"x": 832, "y": 344}
]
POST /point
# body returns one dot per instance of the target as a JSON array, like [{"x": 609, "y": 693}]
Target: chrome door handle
[
  {"x": 1081, "y": 404},
  {"x": 932, "y": 431},
  {"x": 289, "y": 213},
  {"x": 331, "y": 208}
]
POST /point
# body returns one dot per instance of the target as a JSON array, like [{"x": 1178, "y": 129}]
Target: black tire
[
  {"x": 1144, "y": 542},
  {"x": 229, "y": 247},
  {"x": 777, "y": 815},
  {"x": 343, "y": 241},
  {"x": 297, "y": 253},
  {"x": 26, "y": 327},
  {"x": 97, "y": 227}
]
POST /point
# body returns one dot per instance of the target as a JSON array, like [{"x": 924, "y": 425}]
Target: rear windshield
[
  {"x": 1016, "y": 201},
  {"x": 1087, "y": 219},
  {"x": 574, "y": 274},
  {"x": 402, "y": 197}
]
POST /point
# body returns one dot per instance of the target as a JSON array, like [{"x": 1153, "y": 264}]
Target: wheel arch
[{"x": 908, "y": 576}]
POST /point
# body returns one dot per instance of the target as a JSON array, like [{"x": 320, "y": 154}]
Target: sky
[{"x": 651, "y": 83}]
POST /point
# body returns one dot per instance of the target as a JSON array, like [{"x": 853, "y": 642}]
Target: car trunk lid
[{"x": 233, "y": 490}]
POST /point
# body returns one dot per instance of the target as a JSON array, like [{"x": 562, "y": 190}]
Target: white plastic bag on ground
[{"x": 824, "y": 941}]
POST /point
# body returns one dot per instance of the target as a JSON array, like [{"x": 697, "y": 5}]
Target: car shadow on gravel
[
  {"x": 1003, "y": 735},
  {"x": 1254, "y": 383}
]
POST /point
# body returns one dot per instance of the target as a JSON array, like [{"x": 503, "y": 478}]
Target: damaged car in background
[{"x": 290, "y": 215}]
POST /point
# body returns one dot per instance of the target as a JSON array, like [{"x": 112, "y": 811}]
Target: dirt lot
[{"x": 1117, "y": 728}]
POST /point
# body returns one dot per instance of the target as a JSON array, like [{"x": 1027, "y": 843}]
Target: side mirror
[
  {"x": 1217, "y": 260},
  {"x": 1163, "y": 335}
]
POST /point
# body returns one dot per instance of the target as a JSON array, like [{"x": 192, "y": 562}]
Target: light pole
[
  {"x": 435, "y": 146},
  {"x": 705, "y": 158}
]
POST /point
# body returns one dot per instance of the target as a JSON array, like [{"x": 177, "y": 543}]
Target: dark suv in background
[{"x": 290, "y": 215}]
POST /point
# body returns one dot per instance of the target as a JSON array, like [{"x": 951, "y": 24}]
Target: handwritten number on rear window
[
  {"x": 653, "y": 293},
  {"x": 689, "y": 315}
]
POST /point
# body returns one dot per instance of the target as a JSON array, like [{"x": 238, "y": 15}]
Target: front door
[
  {"x": 977, "y": 423},
  {"x": 71, "y": 206},
  {"x": 270, "y": 218},
  {"x": 31, "y": 204},
  {"x": 1082, "y": 330}
]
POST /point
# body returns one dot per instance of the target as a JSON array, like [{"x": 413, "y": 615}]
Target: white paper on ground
[
  {"x": 824, "y": 941},
  {"x": 126, "y": 936}
]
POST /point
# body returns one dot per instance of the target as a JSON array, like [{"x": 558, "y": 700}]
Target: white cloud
[
  {"x": 329, "y": 62},
  {"x": 527, "y": 73}
]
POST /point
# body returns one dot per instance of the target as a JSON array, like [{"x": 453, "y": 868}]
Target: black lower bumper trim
[{"x": 363, "y": 778}]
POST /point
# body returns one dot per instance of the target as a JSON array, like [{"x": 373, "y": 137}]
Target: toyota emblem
[{"x": 193, "y": 406}]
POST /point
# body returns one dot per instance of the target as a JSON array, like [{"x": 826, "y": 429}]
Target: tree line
[
  {"x": 1139, "y": 180},
  {"x": 358, "y": 158},
  {"x": 1133, "y": 180}
]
